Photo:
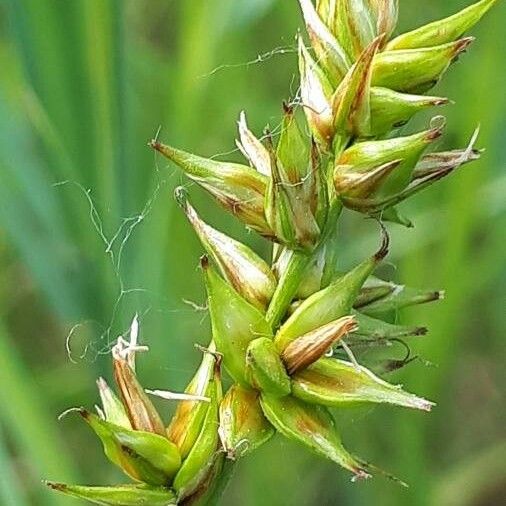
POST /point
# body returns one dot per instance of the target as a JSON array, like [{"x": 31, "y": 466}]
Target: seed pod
[
  {"x": 142, "y": 414},
  {"x": 371, "y": 329},
  {"x": 235, "y": 327},
  {"x": 315, "y": 93},
  {"x": 252, "y": 148},
  {"x": 312, "y": 426},
  {"x": 328, "y": 50},
  {"x": 310, "y": 347},
  {"x": 350, "y": 103},
  {"x": 121, "y": 495},
  {"x": 242, "y": 267},
  {"x": 264, "y": 368},
  {"x": 295, "y": 202},
  {"x": 143, "y": 456},
  {"x": 338, "y": 383},
  {"x": 391, "y": 109},
  {"x": 416, "y": 70},
  {"x": 374, "y": 288},
  {"x": 187, "y": 422},
  {"x": 113, "y": 409},
  {"x": 243, "y": 426},
  {"x": 400, "y": 298},
  {"x": 203, "y": 455},
  {"x": 328, "y": 304},
  {"x": 364, "y": 156},
  {"x": 238, "y": 188},
  {"x": 442, "y": 31}
]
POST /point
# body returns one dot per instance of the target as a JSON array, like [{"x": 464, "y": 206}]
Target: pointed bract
[
  {"x": 351, "y": 102},
  {"x": 252, "y": 148},
  {"x": 316, "y": 96}
]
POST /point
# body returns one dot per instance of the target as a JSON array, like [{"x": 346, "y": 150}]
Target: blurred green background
[{"x": 89, "y": 235}]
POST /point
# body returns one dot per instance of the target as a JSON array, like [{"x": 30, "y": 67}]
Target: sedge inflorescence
[{"x": 284, "y": 331}]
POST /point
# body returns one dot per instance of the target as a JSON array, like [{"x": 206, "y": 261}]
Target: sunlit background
[{"x": 90, "y": 234}]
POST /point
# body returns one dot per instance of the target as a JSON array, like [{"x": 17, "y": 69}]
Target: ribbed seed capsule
[
  {"x": 312, "y": 426},
  {"x": 264, "y": 368},
  {"x": 143, "y": 456},
  {"x": 204, "y": 455},
  {"x": 238, "y": 188},
  {"x": 140, "y": 410},
  {"x": 365, "y": 156},
  {"x": 235, "y": 323},
  {"x": 328, "y": 50},
  {"x": 122, "y": 495},
  {"x": 187, "y": 422},
  {"x": 391, "y": 109},
  {"x": 113, "y": 410},
  {"x": 442, "y": 31},
  {"x": 242, "y": 267},
  {"x": 416, "y": 70},
  {"x": 243, "y": 426},
  {"x": 328, "y": 304},
  {"x": 338, "y": 383},
  {"x": 310, "y": 347}
]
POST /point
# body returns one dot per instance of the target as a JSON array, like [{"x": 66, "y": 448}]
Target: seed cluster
[{"x": 285, "y": 331}]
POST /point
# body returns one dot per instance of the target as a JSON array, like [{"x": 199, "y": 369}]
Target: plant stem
[{"x": 287, "y": 286}]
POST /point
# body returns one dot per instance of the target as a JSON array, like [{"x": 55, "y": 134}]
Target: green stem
[
  {"x": 287, "y": 287},
  {"x": 291, "y": 277}
]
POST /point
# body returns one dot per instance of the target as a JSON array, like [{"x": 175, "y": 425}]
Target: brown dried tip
[
  {"x": 462, "y": 44},
  {"x": 153, "y": 143},
  {"x": 60, "y": 487},
  {"x": 287, "y": 108},
  {"x": 204, "y": 262},
  {"x": 385, "y": 244}
]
